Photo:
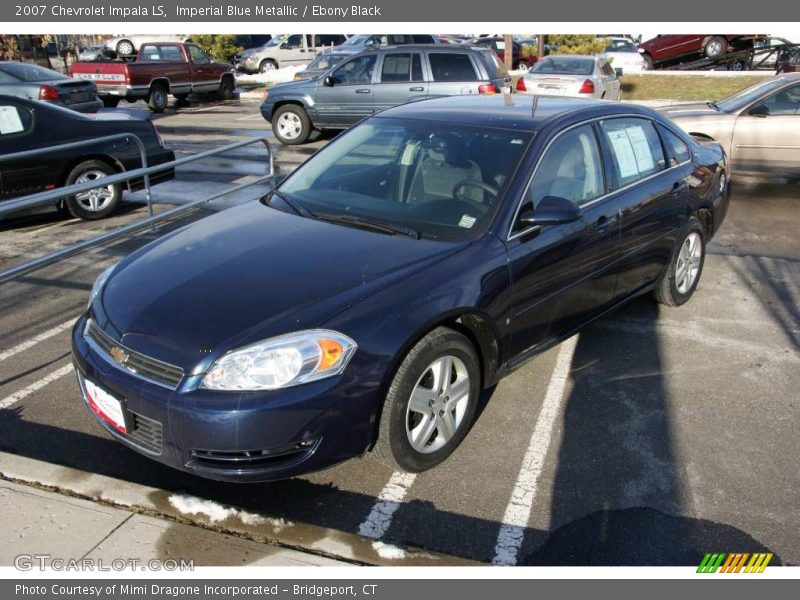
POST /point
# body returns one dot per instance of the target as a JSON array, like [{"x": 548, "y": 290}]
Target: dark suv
[{"x": 377, "y": 79}]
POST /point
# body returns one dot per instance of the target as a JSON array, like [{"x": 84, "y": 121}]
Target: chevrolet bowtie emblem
[{"x": 119, "y": 355}]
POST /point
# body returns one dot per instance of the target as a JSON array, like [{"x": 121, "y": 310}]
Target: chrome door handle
[
  {"x": 416, "y": 89},
  {"x": 362, "y": 91}
]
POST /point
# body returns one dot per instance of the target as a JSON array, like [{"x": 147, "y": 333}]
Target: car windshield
[
  {"x": 356, "y": 40},
  {"x": 564, "y": 65},
  {"x": 441, "y": 180},
  {"x": 621, "y": 46},
  {"x": 749, "y": 95},
  {"x": 326, "y": 61},
  {"x": 30, "y": 72}
]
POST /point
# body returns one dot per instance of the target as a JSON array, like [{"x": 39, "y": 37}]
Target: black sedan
[
  {"x": 37, "y": 83},
  {"x": 29, "y": 125},
  {"x": 366, "y": 302}
]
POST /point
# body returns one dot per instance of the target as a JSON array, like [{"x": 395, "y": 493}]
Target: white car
[
  {"x": 128, "y": 45},
  {"x": 623, "y": 54},
  {"x": 575, "y": 75}
]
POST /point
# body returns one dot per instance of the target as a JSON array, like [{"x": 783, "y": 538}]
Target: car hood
[
  {"x": 247, "y": 274},
  {"x": 694, "y": 110}
]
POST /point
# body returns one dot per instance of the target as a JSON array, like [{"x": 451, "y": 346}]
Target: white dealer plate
[{"x": 105, "y": 405}]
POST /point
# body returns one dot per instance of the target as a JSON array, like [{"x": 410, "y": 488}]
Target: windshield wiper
[
  {"x": 367, "y": 224},
  {"x": 293, "y": 204},
  {"x": 713, "y": 105}
]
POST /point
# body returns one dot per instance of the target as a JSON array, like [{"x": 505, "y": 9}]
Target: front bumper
[{"x": 253, "y": 436}]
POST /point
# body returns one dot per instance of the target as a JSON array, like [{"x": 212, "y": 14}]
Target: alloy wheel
[
  {"x": 688, "y": 266},
  {"x": 97, "y": 199}
]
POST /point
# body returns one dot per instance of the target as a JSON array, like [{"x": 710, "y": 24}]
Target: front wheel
[
  {"x": 291, "y": 124},
  {"x": 97, "y": 203},
  {"x": 680, "y": 280},
  {"x": 647, "y": 65},
  {"x": 716, "y": 47},
  {"x": 431, "y": 402},
  {"x": 226, "y": 88}
]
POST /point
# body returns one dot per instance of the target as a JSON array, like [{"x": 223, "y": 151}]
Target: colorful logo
[{"x": 735, "y": 562}]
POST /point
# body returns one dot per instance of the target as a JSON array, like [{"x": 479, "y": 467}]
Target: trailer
[{"x": 748, "y": 59}]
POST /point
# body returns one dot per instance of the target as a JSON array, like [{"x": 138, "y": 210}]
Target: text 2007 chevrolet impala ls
[{"x": 366, "y": 301}]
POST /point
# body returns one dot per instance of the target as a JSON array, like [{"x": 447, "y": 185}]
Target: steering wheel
[{"x": 458, "y": 189}]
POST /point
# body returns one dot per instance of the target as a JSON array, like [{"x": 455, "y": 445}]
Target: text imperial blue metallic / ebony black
[{"x": 365, "y": 302}]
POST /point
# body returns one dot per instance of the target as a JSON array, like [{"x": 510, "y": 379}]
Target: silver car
[
  {"x": 759, "y": 126},
  {"x": 572, "y": 75}
]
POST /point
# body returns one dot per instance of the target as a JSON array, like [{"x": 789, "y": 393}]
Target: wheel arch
[{"x": 159, "y": 81}]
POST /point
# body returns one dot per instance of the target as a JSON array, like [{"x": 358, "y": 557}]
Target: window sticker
[
  {"x": 641, "y": 149},
  {"x": 466, "y": 222},
  {"x": 623, "y": 150},
  {"x": 9, "y": 120}
]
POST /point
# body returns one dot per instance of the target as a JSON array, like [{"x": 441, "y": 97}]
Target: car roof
[
  {"x": 509, "y": 111},
  {"x": 589, "y": 56}
]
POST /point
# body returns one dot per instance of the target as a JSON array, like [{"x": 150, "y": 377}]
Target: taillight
[
  {"x": 487, "y": 88},
  {"x": 587, "y": 87},
  {"x": 48, "y": 92},
  {"x": 266, "y": 95},
  {"x": 521, "y": 85},
  {"x": 158, "y": 135},
  {"x": 127, "y": 77}
]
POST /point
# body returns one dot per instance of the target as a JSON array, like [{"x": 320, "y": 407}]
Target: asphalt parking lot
[{"x": 654, "y": 436}]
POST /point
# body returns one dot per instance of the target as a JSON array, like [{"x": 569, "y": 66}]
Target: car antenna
[{"x": 534, "y": 104}]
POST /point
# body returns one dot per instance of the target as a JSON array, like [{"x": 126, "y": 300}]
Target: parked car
[
  {"x": 91, "y": 53},
  {"x": 285, "y": 51},
  {"x": 361, "y": 42},
  {"x": 37, "y": 83},
  {"x": 323, "y": 63},
  {"x": 127, "y": 46},
  {"x": 376, "y": 79},
  {"x": 573, "y": 75},
  {"x": 424, "y": 255},
  {"x": 759, "y": 126},
  {"x": 519, "y": 59},
  {"x": 160, "y": 69},
  {"x": 249, "y": 42},
  {"x": 668, "y": 49},
  {"x": 29, "y": 125},
  {"x": 623, "y": 54}
]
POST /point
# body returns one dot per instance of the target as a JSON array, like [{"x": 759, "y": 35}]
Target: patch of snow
[
  {"x": 191, "y": 505},
  {"x": 277, "y": 76},
  {"x": 388, "y": 551}
]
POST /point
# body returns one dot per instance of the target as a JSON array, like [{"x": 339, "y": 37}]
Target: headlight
[
  {"x": 281, "y": 362},
  {"x": 99, "y": 283}
]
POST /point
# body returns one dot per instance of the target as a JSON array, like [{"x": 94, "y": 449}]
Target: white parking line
[
  {"x": 518, "y": 511},
  {"x": 11, "y": 400},
  {"x": 391, "y": 497},
  {"x": 35, "y": 340},
  {"x": 254, "y": 117}
]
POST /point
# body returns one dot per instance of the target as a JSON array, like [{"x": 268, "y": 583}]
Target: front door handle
[
  {"x": 604, "y": 223},
  {"x": 677, "y": 188},
  {"x": 363, "y": 91},
  {"x": 416, "y": 89}
]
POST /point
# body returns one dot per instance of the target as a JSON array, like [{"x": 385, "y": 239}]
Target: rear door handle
[
  {"x": 416, "y": 89},
  {"x": 362, "y": 91}
]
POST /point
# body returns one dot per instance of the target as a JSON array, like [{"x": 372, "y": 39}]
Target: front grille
[
  {"x": 146, "y": 433},
  {"x": 138, "y": 364},
  {"x": 254, "y": 459}
]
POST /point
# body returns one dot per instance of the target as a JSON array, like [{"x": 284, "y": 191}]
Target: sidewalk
[{"x": 35, "y": 521}]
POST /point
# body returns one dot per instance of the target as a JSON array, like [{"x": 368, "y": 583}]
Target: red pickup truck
[{"x": 160, "y": 68}]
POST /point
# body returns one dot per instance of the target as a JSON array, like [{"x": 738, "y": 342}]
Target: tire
[
  {"x": 125, "y": 48},
  {"x": 158, "y": 98},
  {"x": 737, "y": 65},
  {"x": 291, "y": 124},
  {"x": 226, "y": 88},
  {"x": 110, "y": 101},
  {"x": 648, "y": 62},
  {"x": 400, "y": 424},
  {"x": 674, "y": 289},
  {"x": 523, "y": 65},
  {"x": 95, "y": 204},
  {"x": 267, "y": 65},
  {"x": 716, "y": 47}
]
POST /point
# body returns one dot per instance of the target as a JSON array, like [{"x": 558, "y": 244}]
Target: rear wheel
[
  {"x": 158, "y": 98},
  {"x": 716, "y": 47},
  {"x": 291, "y": 124},
  {"x": 97, "y": 203},
  {"x": 226, "y": 88},
  {"x": 431, "y": 402},
  {"x": 680, "y": 280}
]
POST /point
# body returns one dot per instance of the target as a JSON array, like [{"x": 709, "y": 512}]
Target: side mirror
[
  {"x": 759, "y": 110},
  {"x": 552, "y": 210},
  {"x": 618, "y": 71},
  {"x": 328, "y": 81}
]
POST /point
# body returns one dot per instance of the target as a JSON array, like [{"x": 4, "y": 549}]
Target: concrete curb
[{"x": 304, "y": 537}]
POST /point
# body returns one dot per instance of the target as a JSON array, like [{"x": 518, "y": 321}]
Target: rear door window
[
  {"x": 447, "y": 66},
  {"x": 635, "y": 147},
  {"x": 401, "y": 68}
]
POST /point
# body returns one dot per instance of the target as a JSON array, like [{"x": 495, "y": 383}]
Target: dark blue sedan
[{"x": 417, "y": 259}]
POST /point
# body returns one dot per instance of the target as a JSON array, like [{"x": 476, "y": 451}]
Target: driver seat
[{"x": 438, "y": 173}]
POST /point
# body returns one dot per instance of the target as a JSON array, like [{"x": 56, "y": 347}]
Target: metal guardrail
[{"x": 44, "y": 198}]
